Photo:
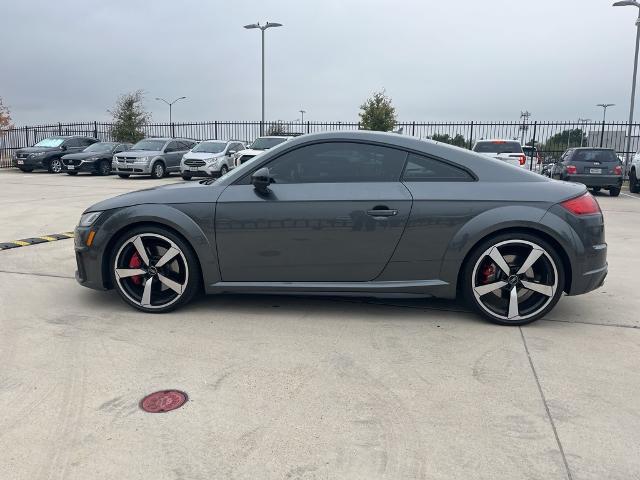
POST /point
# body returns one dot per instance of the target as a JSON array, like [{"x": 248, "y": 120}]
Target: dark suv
[
  {"x": 597, "y": 168},
  {"x": 47, "y": 153},
  {"x": 95, "y": 158}
]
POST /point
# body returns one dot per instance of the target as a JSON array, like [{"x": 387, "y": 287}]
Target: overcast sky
[{"x": 68, "y": 60}]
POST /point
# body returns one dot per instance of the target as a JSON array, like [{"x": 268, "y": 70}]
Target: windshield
[
  {"x": 265, "y": 143},
  {"x": 150, "y": 145},
  {"x": 100, "y": 147},
  {"x": 530, "y": 150},
  {"x": 209, "y": 147},
  {"x": 50, "y": 142},
  {"x": 602, "y": 156},
  {"x": 497, "y": 146}
]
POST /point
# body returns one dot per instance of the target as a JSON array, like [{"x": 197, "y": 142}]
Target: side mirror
[
  {"x": 63, "y": 147},
  {"x": 231, "y": 152},
  {"x": 261, "y": 179}
]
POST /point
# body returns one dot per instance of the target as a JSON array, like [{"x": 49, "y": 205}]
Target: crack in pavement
[
  {"x": 546, "y": 405},
  {"x": 53, "y": 275}
]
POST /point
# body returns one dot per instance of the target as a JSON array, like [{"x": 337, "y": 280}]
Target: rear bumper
[{"x": 602, "y": 181}]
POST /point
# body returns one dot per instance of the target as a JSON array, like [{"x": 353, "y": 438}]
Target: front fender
[
  {"x": 490, "y": 222},
  {"x": 194, "y": 222}
]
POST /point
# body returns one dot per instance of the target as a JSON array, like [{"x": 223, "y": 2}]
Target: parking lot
[{"x": 304, "y": 388}]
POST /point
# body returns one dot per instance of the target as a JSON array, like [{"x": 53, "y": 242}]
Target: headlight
[
  {"x": 39, "y": 154},
  {"x": 143, "y": 159},
  {"x": 89, "y": 219},
  {"x": 211, "y": 161}
]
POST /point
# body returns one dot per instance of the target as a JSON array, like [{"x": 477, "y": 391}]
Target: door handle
[{"x": 382, "y": 212}]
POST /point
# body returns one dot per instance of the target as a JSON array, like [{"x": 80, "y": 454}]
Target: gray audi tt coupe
[{"x": 352, "y": 213}]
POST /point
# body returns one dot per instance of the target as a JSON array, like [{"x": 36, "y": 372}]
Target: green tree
[
  {"x": 378, "y": 113},
  {"x": 129, "y": 117},
  {"x": 5, "y": 116},
  {"x": 559, "y": 142},
  {"x": 458, "y": 140}
]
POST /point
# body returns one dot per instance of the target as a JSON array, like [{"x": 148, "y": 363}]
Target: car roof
[
  {"x": 496, "y": 140},
  {"x": 592, "y": 148}
]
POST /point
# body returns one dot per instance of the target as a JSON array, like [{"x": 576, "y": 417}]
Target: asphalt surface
[{"x": 304, "y": 388}]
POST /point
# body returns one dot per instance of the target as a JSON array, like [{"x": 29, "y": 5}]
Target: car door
[
  {"x": 335, "y": 213},
  {"x": 172, "y": 156}
]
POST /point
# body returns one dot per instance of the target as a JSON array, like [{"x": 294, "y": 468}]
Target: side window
[
  {"x": 72, "y": 143},
  {"x": 338, "y": 162},
  {"x": 85, "y": 142},
  {"x": 120, "y": 148},
  {"x": 425, "y": 169},
  {"x": 171, "y": 147}
]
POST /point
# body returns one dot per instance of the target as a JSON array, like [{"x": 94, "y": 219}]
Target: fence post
[
  {"x": 261, "y": 128},
  {"x": 95, "y": 129},
  {"x": 413, "y": 129},
  {"x": 215, "y": 129},
  {"x": 308, "y": 126},
  {"x": 602, "y": 135},
  {"x": 173, "y": 131},
  {"x": 59, "y": 128},
  {"x": 471, "y": 137},
  {"x": 533, "y": 143},
  {"x": 26, "y": 136}
]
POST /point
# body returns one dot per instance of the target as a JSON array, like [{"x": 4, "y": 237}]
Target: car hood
[
  {"x": 202, "y": 155},
  {"x": 188, "y": 192},
  {"x": 85, "y": 155},
  {"x": 37, "y": 149},
  {"x": 139, "y": 153}
]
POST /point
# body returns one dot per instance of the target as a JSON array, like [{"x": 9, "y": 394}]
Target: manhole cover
[{"x": 163, "y": 401}]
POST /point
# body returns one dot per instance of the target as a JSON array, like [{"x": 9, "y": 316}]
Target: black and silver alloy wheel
[
  {"x": 151, "y": 271},
  {"x": 55, "y": 165},
  {"x": 515, "y": 281},
  {"x": 158, "y": 170}
]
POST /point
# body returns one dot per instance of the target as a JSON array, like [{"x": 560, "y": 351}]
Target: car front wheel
[
  {"x": 104, "y": 168},
  {"x": 55, "y": 166},
  {"x": 513, "y": 279},
  {"x": 158, "y": 170},
  {"x": 634, "y": 187},
  {"x": 154, "y": 270}
]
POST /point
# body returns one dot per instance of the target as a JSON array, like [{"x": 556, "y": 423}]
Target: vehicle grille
[
  {"x": 245, "y": 158},
  {"x": 22, "y": 155},
  {"x": 71, "y": 162},
  {"x": 194, "y": 163}
]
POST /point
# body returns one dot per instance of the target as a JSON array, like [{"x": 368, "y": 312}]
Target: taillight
[
  {"x": 539, "y": 158},
  {"x": 617, "y": 170},
  {"x": 571, "y": 169},
  {"x": 523, "y": 160},
  {"x": 583, "y": 205}
]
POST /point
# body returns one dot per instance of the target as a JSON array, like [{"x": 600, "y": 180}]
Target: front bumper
[
  {"x": 30, "y": 162},
  {"x": 81, "y": 167},
  {"x": 209, "y": 170},
  {"x": 89, "y": 272},
  {"x": 131, "y": 168},
  {"x": 602, "y": 181}
]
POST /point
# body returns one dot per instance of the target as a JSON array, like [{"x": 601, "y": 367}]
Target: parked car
[
  {"x": 349, "y": 213},
  {"x": 94, "y": 159},
  {"x": 634, "y": 172},
  {"x": 597, "y": 168},
  {"x": 533, "y": 158},
  {"x": 509, "y": 151},
  {"x": 47, "y": 153},
  {"x": 156, "y": 157},
  {"x": 209, "y": 158},
  {"x": 259, "y": 145}
]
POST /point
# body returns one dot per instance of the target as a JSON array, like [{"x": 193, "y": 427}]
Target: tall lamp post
[
  {"x": 170, "y": 105},
  {"x": 583, "y": 121},
  {"x": 262, "y": 29},
  {"x": 302, "y": 112},
  {"x": 604, "y": 118},
  {"x": 633, "y": 3}
]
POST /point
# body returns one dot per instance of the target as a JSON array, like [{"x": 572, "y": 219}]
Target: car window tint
[
  {"x": 590, "y": 156},
  {"x": 497, "y": 146},
  {"x": 72, "y": 143},
  {"x": 424, "y": 169},
  {"x": 338, "y": 162},
  {"x": 171, "y": 147}
]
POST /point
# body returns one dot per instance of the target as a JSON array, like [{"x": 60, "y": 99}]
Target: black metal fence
[{"x": 551, "y": 138}]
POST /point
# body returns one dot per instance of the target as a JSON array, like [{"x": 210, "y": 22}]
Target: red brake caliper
[
  {"x": 136, "y": 262},
  {"x": 488, "y": 272}
]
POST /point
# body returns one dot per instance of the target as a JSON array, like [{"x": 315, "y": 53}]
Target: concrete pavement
[{"x": 304, "y": 388}]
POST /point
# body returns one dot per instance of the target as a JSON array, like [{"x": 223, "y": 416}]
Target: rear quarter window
[{"x": 425, "y": 169}]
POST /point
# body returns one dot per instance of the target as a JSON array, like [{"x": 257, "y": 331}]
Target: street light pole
[
  {"x": 604, "y": 118},
  {"x": 583, "y": 121},
  {"x": 302, "y": 112},
  {"x": 170, "y": 109},
  {"x": 633, "y": 83},
  {"x": 262, "y": 28}
]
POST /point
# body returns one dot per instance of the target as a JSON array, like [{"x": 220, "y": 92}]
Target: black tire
[
  {"x": 186, "y": 176},
  {"x": 190, "y": 279},
  {"x": 634, "y": 187},
  {"x": 55, "y": 165},
  {"x": 123, "y": 175},
  {"x": 26, "y": 170},
  {"x": 540, "y": 304},
  {"x": 224, "y": 170},
  {"x": 72, "y": 173},
  {"x": 614, "y": 191},
  {"x": 104, "y": 168},
  {"x": 595, "y": 189},
  {"x": 158, "y": 170}
]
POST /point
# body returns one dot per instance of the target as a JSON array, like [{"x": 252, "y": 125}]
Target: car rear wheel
[
  {"x": 186, "y": 176},
  {"x": 104, "y": 168},
  {"x": 123, "y": 175},
  {"x": 614, "y": 191},
  {"x": 55, "y": 166},
  {"x": 158, "y": 170},
  {"x": 595, "y": 189},
  {"x": 633, "y": 182},
  {"x": 513, "y": 279},
  {"x": 154, "y": 270}
]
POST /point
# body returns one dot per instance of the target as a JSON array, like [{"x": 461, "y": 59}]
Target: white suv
[
  {"x": 509, "y": 151},
  {"x": 259, "y": 145},
  {"x": 209, "y": 158}
]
